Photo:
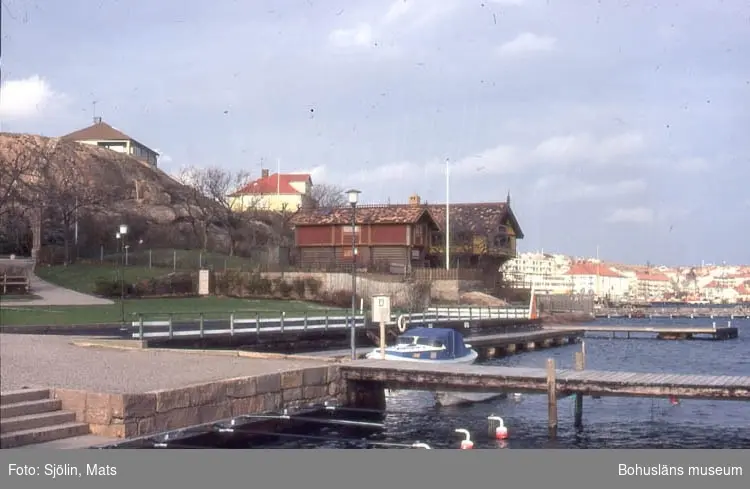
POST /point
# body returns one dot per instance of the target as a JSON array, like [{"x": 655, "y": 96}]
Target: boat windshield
[
  {"x": 430, "y": 342},
  {"x": 418, "y": 340}
]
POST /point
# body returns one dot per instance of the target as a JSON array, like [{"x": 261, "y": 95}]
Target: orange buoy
[
  {"x": 501, "y": 431},
  {"x": 466, "y": 443}
]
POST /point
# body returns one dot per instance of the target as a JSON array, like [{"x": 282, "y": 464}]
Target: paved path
[
  {"x": 53, "y": 295},
  {"x": 52, "y": 361}
]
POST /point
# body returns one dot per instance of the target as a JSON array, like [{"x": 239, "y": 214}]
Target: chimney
[
  {"x": 264, "y": 173},
  {"x": 414, "y": 200},
  {"x": 97, "y": 120}
]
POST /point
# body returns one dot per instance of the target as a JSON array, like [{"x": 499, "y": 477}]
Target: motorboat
[{"x": 435, "y": 346}]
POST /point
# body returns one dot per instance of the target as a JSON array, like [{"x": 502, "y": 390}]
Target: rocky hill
[{"x": 100, "y": 188}]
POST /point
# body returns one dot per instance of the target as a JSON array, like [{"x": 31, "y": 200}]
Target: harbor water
[{"x": 609, "y": 422}]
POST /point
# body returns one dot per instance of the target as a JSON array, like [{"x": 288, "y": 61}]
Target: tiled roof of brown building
[
  {"x": 480, "y": 218},
  {"x": 394, "y": 214},
  {"x": 99, "y": 131}
]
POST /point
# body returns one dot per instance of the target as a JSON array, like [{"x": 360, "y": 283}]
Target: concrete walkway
[
  {"x": 53, "y": 295},
  {"x": 31, "y": 361}
]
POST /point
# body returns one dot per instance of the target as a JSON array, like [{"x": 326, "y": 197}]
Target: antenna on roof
[
  {"x": 507, "y": 198},
  {"x": 97, "y": 120}
]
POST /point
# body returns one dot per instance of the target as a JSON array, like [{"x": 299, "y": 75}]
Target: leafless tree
[
  {"x": 215, "y": 203},
  {"x": 62, "y": 188},
  {"x": 327, "y": 195},
  {"x": 17, "y": 168}
]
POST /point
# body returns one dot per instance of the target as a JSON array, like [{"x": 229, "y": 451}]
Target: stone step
[
  {"x": 29, "y": 407},
  {"x": 42, "y": 435},
  {"x": 32, "y": 421},
  {"x": 23, "y": 395}
]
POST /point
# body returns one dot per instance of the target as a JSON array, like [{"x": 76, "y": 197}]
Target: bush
[
  {"x": 299, "y": 286},
  {"x": 171, "y": 284},
  {"x": 257, "y": 285},
  {"x": 112, "y": 288},
  {"x": 337, "y": 298},
  {"x": 313, "y": 285},
  {"x": 285, "y": 289}
]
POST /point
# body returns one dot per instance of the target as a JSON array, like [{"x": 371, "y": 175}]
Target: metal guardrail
[{"x": 257, "y": 322}]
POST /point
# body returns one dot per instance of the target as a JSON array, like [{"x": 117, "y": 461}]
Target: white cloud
[
  {"x": 401, "y": 17},
  {"x": 636, "y": 215},
  {"x": 361, "y": 35},
  {"x": 582, "y": 150},
  {"x": 693, "y": 164},
  {"x": 565, "y": 189},
  {"x": 576, "y": 149},
  {"x": 25, "y": 99},
  {"x": 527, "y": 43},
  {"x": 398, "y": 10},
  {"x": 317, "y": 173}
]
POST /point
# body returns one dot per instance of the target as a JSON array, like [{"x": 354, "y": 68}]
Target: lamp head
[{"x": 353, "y": 196}]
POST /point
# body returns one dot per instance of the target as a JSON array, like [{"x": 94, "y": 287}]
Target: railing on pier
[{"x": 200, "y": 325}]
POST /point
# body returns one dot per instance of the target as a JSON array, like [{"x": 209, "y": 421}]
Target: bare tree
[
  {"x": 327, "y": 195},
  {"x": 18, "y": 162},
  {"x": 63, "y": 188},
  {"x": 215, "y": 189},
  {"x": 201, "y": 209}
]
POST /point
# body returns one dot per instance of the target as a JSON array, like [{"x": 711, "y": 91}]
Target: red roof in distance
[{"x": 281, "y": 183}]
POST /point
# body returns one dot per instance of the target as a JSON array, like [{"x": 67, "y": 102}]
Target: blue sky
[{"x": 612, "y": 123}]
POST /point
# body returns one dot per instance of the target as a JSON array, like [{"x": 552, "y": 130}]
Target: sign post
[{"x": 381, "y": 313}]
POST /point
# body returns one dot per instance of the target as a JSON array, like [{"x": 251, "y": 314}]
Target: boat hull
[
  {"x": 459, "y": 398},
  {"x": 466, "y": 359},
  {"x": 442, "y": 398}
]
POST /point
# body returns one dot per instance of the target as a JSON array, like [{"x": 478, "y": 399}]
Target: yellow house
[
  {"x": 103, "y": 135},
  {"x": 278, "y": 192}
]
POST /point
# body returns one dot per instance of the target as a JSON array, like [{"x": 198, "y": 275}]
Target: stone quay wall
[{"x": 140, "y": 414}]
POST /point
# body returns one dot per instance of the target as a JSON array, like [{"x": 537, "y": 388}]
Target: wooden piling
[
  {"x": 579, "y": 365},
  {"x": 552, "y": 397}
]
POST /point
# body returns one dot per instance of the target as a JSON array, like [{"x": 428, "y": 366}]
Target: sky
[{"x": 617, "y": 126}]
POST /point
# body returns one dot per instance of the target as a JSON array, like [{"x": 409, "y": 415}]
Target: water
[{"x": 608, "y": 422}]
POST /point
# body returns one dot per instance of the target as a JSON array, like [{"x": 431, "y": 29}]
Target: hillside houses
[{"x": 560, "y": 274}]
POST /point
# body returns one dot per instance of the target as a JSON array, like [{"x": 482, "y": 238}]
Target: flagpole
[{"x": 447, "y": 215}]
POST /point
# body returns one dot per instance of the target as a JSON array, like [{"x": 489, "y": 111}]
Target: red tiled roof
[
  {"x": 743, "y": 289},
  {"x": 395, "y": 214},
  {"x": 274, "y": 183},
  {"x": 588, "y": 268},
  {"x": 651, "y": 277}
]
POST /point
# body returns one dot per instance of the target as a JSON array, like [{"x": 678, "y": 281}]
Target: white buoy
[{"x": 466, "y": 443}]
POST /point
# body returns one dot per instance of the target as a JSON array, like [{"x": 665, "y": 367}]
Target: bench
[{"x": 14, "y": 282}]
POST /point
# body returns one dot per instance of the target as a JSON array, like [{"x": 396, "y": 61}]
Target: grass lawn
[
  {"x": 180, "y": 309},
  {"x": 82, "y": 277}
]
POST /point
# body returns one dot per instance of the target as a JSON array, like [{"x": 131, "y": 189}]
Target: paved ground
[
  {"x": 52, "y": 295},
  {"x": 52, "y": 361}
]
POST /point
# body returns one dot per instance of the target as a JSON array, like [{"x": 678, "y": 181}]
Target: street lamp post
[
  {"x": 353, "y": 198},
  {"x": 121, "y": 236}
]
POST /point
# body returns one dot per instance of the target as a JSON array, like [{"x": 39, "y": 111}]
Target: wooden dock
[
  {"x": 367, "y": 379},
  {"x": 661, "y": 332}
]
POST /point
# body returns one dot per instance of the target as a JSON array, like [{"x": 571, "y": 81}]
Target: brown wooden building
[{"x": 387, "y": 237}]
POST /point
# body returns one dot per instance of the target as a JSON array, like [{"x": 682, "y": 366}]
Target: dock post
[
  {"x": 552, "y": 398},
  {"x": 382, "y": 340},
  {"x": 579, "y": 365}
]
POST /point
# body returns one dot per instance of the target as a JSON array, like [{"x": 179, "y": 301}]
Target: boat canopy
[{"x": 450, "y": 338}]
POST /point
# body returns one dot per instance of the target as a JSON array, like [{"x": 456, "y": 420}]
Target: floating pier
[
  {"x": 367, "y": 379},
  {"x": 678, "y": 332}
]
